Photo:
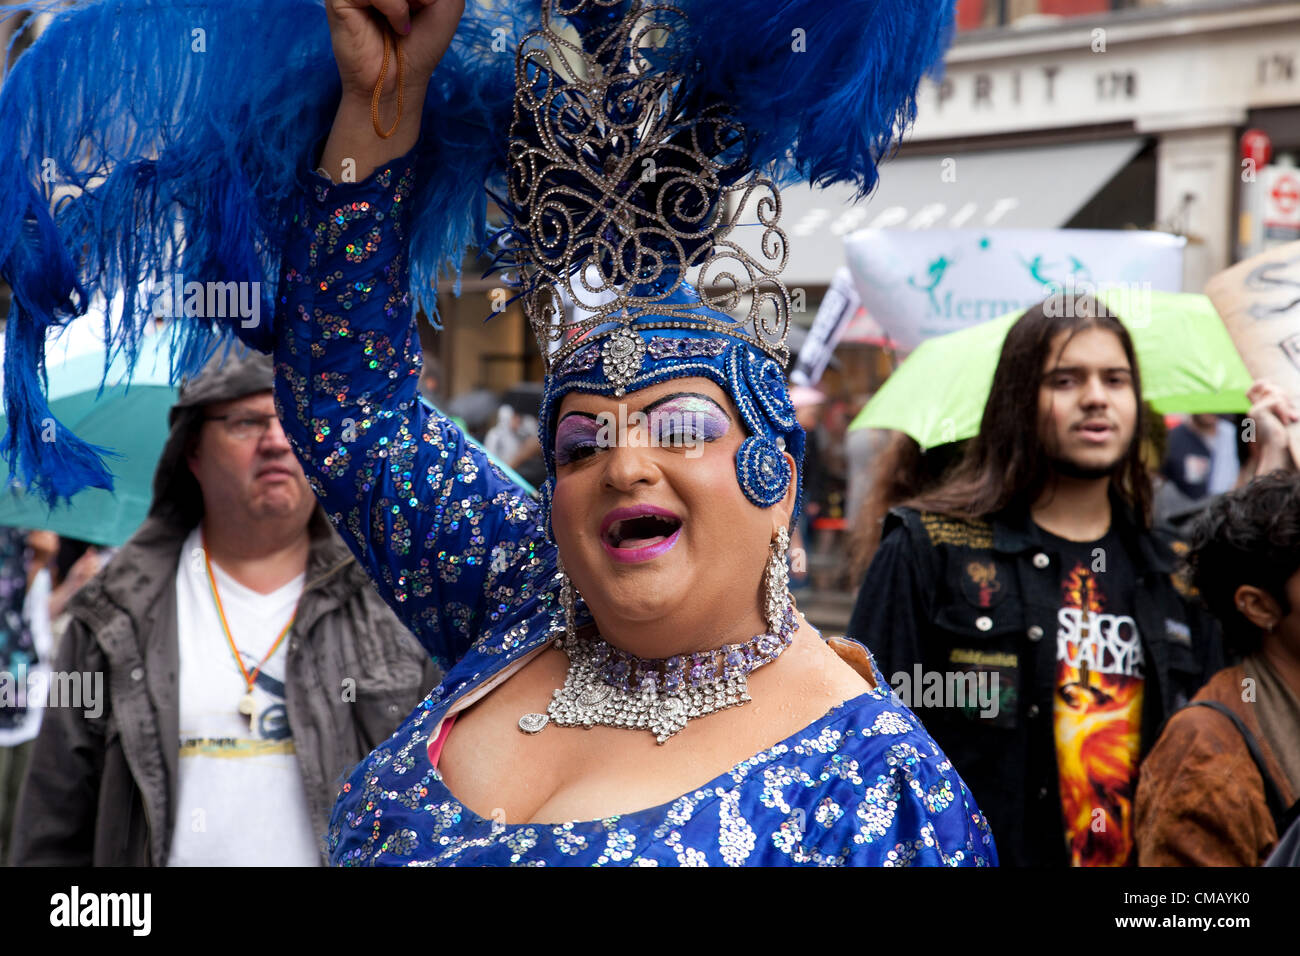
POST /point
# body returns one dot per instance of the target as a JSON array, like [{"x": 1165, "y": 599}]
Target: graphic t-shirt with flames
[{"x": 1097, "y": 712}]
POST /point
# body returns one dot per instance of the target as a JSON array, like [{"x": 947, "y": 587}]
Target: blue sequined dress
[{"x": 456, "y": 550}]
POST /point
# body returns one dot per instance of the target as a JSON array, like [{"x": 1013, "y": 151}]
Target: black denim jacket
[{"x": 957, "y": 596}]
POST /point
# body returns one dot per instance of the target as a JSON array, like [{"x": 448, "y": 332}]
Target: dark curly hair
[{"x": 1250, "y": 536}]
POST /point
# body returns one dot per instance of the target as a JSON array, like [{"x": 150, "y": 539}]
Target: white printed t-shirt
[{"x": 241, "y": 799}]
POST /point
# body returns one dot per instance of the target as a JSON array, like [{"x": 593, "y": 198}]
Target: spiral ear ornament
[{"x": 763, "y": 471}]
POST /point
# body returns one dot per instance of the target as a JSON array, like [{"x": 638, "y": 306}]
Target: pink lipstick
[{"x": 640, "y": 533}]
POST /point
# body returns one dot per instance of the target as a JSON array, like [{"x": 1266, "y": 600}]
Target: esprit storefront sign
[{"x": 1098, "y": 79}]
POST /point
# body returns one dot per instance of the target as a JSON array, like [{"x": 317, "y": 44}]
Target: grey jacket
[{"x": 101, "y": 787}]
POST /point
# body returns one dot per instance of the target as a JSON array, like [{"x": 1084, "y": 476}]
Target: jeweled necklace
[{"x": 608, "y": 687}]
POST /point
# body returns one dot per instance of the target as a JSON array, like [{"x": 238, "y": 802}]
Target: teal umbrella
[
  {"x": 130, "y": 420},
  {"x": 1187, "y": 360}
]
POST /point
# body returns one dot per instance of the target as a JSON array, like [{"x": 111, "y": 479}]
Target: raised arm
[
  {"x": 450, "y": 542},
  {"x": 425, "y": 29}
]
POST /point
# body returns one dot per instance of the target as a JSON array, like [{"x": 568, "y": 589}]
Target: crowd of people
[
  {"x": 346, "y": 634},
  {"x": 1037, "y": 561},
  {"x": 1126, "y": 677}
]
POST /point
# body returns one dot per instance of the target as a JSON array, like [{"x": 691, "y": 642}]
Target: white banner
[
  {"x": 838, "y": 307},
  {"x": 921, "y": 283}
]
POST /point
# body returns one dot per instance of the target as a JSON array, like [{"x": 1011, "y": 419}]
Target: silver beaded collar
[{"x": 608, "y": 687}]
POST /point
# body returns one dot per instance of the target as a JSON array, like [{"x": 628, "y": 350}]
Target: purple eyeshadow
[
  {"x": 686, "y": 420},
  {"x": 696, "y": 417},
  {"x": 574, "y": 433}
]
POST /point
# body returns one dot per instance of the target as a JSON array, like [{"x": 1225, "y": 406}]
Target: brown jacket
[
  {"x": 1200, "y": 798},
  {"x": 101, "y": 785}
]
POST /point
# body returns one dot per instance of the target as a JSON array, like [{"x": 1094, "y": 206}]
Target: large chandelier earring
[{"x": 776, "y": 580}]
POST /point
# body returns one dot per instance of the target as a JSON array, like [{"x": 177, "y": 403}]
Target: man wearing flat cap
[{"x": 248, "y": 662}]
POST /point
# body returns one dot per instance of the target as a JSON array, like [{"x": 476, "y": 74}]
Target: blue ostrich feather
[
  {"x": 823, "y": 88},
  {"x": 131, "y": 123},
  {"x": 132, "y": 154}
]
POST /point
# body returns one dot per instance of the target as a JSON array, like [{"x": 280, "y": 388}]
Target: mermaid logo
[
  {"x": 1052, "y": 276},
  {"x": 933, "y": 275},
  {"x": 961, "y": 296},
  {"x": 1078, "y": 272}
]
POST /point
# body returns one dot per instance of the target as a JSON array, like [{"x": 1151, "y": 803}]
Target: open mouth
[
  {"x": 1095, "y": 429},
  {"x": 642, "y": 532},
  {"x": 639, "y": 533}
]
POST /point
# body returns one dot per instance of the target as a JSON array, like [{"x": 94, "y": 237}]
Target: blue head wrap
[{"x": 626, "y": 361}]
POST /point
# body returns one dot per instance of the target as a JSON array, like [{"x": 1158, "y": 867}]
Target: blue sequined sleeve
[
  {"x": 917, "y": 812},
  {"x": 453, "y": 545}
]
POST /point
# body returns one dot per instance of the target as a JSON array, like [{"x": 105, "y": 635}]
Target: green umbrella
[
  {"x": 131, "y": 421},
  {"x": 1188, "y": 364}
]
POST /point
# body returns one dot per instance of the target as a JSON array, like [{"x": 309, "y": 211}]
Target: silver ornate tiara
[{"x": 618, "y": 189}]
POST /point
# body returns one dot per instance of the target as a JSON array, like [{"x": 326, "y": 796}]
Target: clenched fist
[{"x": 423, "y": 27}]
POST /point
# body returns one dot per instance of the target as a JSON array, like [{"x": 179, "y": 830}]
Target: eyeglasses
[{"x": 244, "y": 426}]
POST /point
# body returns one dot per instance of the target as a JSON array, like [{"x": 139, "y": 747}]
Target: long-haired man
[{"x": 1025, "y": 610}]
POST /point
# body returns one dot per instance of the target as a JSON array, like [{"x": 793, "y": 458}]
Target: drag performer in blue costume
[{"x": 628, "y": 681}]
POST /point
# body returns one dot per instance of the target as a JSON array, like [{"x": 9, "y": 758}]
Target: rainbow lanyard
[{"x": 247, "y": 704}]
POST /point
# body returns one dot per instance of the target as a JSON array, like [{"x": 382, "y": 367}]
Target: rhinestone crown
[{"x": 625, "y": 195}]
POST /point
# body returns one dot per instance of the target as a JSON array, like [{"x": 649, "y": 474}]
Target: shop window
[
  {"x": 970, "y": 13},
  {"x": 976, "y": 14},
  {"x": 1074, "y": 8}
]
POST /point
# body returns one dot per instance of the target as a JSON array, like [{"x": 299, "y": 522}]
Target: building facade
[{"x": 1087, "y": 114}]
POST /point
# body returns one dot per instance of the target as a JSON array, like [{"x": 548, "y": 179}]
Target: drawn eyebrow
[
  {"x": 655, "y": 404},
  {"x": 579, "y": 414}
]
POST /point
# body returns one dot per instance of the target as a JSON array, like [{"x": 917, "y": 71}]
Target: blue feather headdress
[
  {"x": 644, "y": 135},
  {"x": 147, "y": 138}
]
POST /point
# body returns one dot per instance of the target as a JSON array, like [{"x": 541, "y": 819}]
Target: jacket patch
[
  {"x": 963, "y": 534},
  {"x": 1182, "y": 582},
  {"x": 1178, "y": 632},
  {"x": 980, "y": 583},
  {"x": 996, "y": 671},
  {"x": 1182, "y": 577}
]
